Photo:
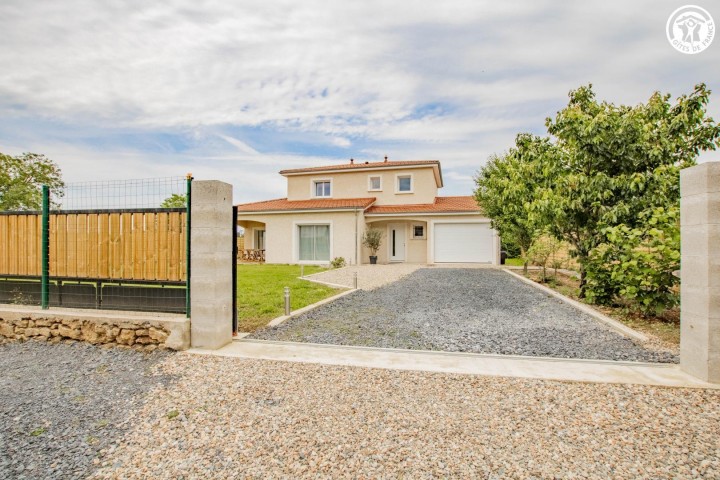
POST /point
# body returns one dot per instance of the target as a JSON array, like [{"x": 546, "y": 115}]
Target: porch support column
[{"x": 700, "y": 271}]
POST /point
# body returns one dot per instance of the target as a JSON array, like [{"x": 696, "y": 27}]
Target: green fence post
[
  {"x": 45, "y": 282},
  {"x": 189, "y": 178}
]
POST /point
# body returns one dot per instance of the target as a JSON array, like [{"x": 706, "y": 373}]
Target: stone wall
[{"x": 137, "y": 332}]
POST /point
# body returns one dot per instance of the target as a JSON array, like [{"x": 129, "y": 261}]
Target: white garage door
[{"x": 463, "y": 243}]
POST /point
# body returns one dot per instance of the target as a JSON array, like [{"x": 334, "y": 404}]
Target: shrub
[
  {"x": 337, "y": 262},
  {"x": 637, "y": 264},
  {"x": 543, "y": 252}
]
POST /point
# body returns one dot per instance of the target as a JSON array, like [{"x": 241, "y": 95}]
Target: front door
[{"x": 396, "y": 236}]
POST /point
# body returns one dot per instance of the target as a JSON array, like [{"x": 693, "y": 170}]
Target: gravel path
[
  {"x": 259, "y": 419},
  {"x": 197, "y": 417},
  {"x": 465, "y": 310},
  {"x": 62, "y": 405}
]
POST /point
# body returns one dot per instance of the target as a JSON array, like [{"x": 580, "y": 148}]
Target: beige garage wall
[
  {"x": 355, "y": 185},
  {"x": 281, "y": 242}
]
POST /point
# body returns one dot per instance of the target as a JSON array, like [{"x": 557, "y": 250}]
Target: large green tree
[
  {"x": 508, "y": 184},
  {"x": 618, "y": 162},
  {"x": 22, "y": 178}
]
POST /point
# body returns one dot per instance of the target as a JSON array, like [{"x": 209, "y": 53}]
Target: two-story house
[{"x": 327, "y": 209}]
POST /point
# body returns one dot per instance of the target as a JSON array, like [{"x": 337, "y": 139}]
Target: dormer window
[
  {"x": 404, "y": 183},
  {"x": 374, "y": 183},
  {"x": 322, "y": 188}
]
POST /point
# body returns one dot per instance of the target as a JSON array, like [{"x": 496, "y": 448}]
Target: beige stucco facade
[
  {"x": 353, "y": 203},
  {"x": 357, "y": 185},
  {"x": 346, "y": 230},
  {"x": 281, "y": 233}
]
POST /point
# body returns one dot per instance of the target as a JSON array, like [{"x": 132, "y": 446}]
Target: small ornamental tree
[
  {"x": 542, "y": 253},
  {"x": 372, "y": 238}
]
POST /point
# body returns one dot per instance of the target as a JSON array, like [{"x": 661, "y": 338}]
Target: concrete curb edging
[
  {"x": 334, "y": 285},
  {"x": 277, "y": 321},
  {"x": 564, "y": 271},
  {"x": 540, "y": 368},
  {"x": 612, "y": 323}
]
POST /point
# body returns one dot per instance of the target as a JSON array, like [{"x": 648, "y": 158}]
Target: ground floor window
[{"x": 314, "y": 243}]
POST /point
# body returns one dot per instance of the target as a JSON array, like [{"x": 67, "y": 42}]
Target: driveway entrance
[{"x": 482, "y": 310}]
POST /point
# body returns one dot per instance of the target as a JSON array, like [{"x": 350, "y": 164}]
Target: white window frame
[
  {"x": 397, "y": 183},
  {"x": 296, "y": 242},
  {"x": 313, "y": 189},
  {"x": 424, "y": 235},
  {"x": 370, "y": 188}
]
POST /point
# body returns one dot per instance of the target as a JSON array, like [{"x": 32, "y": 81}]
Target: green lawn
[
  {"x": 260, "y": 292},
  {"x": 514, "y": 262}
]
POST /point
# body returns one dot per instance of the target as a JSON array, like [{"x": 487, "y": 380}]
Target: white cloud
[
  {"x": 246, "y": 82},
  {"x": 341, "y": 142}
]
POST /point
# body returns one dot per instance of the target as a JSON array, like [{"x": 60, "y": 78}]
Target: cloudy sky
[{"x": 237, "y": 90}]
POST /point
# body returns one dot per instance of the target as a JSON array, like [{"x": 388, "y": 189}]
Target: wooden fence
[{"x": 143, "y": 244}]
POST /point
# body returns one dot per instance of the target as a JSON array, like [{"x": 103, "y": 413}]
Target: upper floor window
[
  {"x": 322, "y": 188},
  {"x": 404, "y": 184},
  {"x": 374, "y": 183}
]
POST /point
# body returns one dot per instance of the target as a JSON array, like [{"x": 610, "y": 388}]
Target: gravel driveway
[
  {"x": 196, "y": 417},
  {"x": 62, "y": 405},
  {"x": 462, "y": 310}
]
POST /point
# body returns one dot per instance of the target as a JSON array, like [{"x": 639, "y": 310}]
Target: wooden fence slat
[
  {"x": 174, "y": 269},
  {"x": 138, "y": 245},
  {"x": 115, "y": 258},
  {"x": 21, "y": 245},
  {"x": 82, "y": 246},
  {"x": 34, "y": 233},
  {"x": 104, "y": 251},
  {"x": 53, "y": 245},
  {"x": 61, "y": 245},
  {"x": 13, "y": 260},
  {"x": 181, "y": 247},
  {"x": 72, "y": 246},
  {"x": 126, "y": 241},
  {"x": 4, "y": 251},
  {"x": 150, "y": 253},
  {"x": 93, "y": 245},
  {"x": 163, "y": 247}
]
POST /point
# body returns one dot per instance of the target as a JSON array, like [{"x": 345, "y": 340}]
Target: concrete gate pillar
[
  {"x": 211, "y": 260},
  {"x": 700, "y": 271}
]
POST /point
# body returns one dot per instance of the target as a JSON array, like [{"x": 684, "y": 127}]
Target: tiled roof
[
  {"x": 361, "y": 165},
  {"x": 441, "y": 204},
  {"x": 282, "y": 204}
]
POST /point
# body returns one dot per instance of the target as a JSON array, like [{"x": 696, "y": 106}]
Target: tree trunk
[
  {"x": 583, "y": 281},
  {"x": 525, "y": 262}
]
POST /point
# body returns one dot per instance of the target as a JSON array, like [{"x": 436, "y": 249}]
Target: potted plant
[{"x": 371, "y": 239}]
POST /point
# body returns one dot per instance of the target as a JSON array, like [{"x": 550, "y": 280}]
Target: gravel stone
[
  {"x": 463, "y": 310},
  {"x": 62, "y": 407},
  {"x": 260, "y": 419}
]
